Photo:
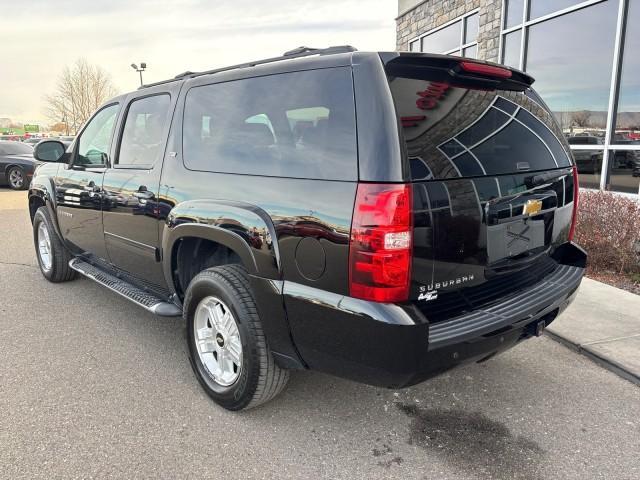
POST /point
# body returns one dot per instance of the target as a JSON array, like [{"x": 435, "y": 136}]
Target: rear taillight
[
  {"x": 381, "y": 239},
  {"x": 574, "y": 217}
]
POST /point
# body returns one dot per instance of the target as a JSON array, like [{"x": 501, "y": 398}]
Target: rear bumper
[{"x": 395, "y": 345}]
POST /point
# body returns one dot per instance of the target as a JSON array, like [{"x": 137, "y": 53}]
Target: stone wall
[{"x": 433, "y": 13}]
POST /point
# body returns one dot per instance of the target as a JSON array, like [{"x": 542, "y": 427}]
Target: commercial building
[{"x": 583, "y": 55}]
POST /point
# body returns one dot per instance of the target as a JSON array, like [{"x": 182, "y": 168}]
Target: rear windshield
[
  {"x": 452, "y": 131},
  {"x": 299, "y": 124}
]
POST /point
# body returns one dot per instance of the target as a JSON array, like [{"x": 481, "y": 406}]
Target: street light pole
[{"x": 142, "y": 68}]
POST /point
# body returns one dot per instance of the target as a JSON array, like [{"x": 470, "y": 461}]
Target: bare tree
[
  {"x": 81, "y": 88},
  {"x": 580, "y": 119},
  {"x": 57, "y": 127}
]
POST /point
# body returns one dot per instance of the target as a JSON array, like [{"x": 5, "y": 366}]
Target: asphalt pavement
[{"x": 92, "y": 386}]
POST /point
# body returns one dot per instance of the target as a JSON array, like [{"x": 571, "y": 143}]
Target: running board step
[{"x": 137, "y": 295}]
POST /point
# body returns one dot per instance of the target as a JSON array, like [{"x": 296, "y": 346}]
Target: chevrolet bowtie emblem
[{"x": 532, "y": 207}]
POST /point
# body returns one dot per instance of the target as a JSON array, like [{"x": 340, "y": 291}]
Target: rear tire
[
  {"x": 247, "y": 375},
  {"x": 53, "y": 257}
]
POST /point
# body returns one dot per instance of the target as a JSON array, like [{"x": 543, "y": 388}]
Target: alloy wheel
[
  {"x": 218, "y": 341},
  {"x": 44, "y": 247},
  {"x": 16, "y": 178}
]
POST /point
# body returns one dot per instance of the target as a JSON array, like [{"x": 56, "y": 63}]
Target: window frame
[
  {"x": 609, "y": 145},
  {"x": 76, "y": 142},
  {"x": 123, "y": 123},
  {"x": 463, "y": 26}
]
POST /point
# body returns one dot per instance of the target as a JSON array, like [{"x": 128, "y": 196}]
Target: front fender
[{"x": 241, "y": 227}]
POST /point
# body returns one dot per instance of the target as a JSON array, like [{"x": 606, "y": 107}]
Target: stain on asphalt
[
  {"x": 377, "y": 452},
  {"x": 474, "y": 443},
  {"x": 386, "y": 449},
  {"x": 395, "y": 460}
]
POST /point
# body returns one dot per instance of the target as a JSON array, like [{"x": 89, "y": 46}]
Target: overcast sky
[{"x": 40, "y": 37}]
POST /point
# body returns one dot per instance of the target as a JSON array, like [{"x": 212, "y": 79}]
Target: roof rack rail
[
  {"x": 303, "y": 51},
  {"x": 183, "y": 74},
  {"x": 295, "y": 53}
]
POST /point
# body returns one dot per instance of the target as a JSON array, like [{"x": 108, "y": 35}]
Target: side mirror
[{"x": 49, "y": 151}]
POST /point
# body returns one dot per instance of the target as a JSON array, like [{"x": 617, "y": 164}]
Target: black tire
[
  {"x": 59, "y": 270},
  {"x": 21, "y": 181},
  {"x": 260, "y": 379}
]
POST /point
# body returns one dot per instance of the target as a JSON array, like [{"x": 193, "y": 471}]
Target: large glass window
[
  {"x": 459, "y": 37},
  {"x": 298, "y": 124},
  {"x": 471, "y": 28},
  {"x": 443, "y": 40},
  {"x": 628, "y": 119},
  {"x": 539, "y": 8},
  {"x": 574, "y": 77},
  {"x": 570, "y": 50},
  {"x": 511, "y": 49},
  {"x": 513, "y": 13}
]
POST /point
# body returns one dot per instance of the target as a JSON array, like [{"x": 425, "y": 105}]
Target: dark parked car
[
  {"x": 588, "y": 161},
  {"x": 16, "y": 164},
  {"x": 624, "y": 158},
  {"x": 636, "y": 158},
  {"x": 244, "y": 199}
]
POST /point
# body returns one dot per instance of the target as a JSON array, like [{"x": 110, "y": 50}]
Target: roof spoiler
[{"x": 468, "y": 73}]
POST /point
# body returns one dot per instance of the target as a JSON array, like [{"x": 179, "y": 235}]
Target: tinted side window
[
  {"x": 93, "y": 147},
  {"x": 299, "y": 124},
  {"x": 142, "y": 135}
]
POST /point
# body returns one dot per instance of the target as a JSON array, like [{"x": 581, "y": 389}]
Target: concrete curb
[{"x": 607, "y": 363}]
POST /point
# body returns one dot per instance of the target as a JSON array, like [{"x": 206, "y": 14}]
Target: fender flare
[
  {"x": 220, "y": 221},
  {"x": 44, "y": 189}
]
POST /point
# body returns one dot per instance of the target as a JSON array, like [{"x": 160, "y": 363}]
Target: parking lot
[{"x": 92, "y": 386}]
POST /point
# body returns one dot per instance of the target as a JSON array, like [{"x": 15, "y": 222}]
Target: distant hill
[{"x": 598, "y": 119}]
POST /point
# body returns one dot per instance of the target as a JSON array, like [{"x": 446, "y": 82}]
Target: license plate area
[
  {"x": 511, "y": 239},
  {"x": 519, "y": 224}
]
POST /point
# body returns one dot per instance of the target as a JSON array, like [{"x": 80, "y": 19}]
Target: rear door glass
[
  {"x": 299, "y": 124},
  {"x": 453, "y": 132}
]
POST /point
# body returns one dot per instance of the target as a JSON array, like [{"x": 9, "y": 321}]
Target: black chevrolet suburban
[{"x": 382, "y": 217}]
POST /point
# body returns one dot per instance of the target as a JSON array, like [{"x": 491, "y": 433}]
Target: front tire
[
  {"x": 17, "y": 178},
  {"x": 227, "y": 347},
  {"x": 53, "y": 257}
]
